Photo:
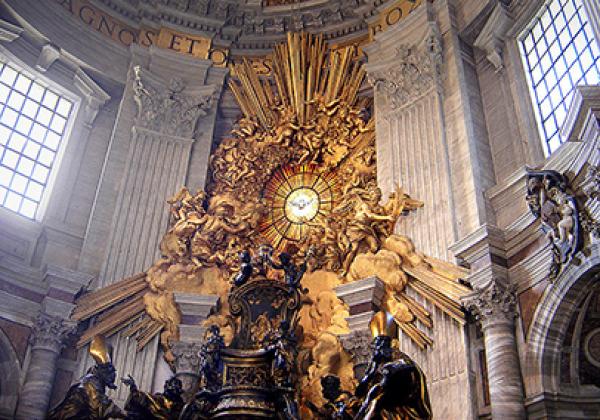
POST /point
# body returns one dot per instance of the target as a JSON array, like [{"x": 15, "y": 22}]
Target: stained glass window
[
  {"x": 559, "y": 53},
  {"x": 33, "y": 120}
]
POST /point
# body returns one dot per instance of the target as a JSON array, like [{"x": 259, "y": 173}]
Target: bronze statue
[
  {"x": 211, "y": 365},
  {"x": 161, "y": 406},
  {"x": 246, "y": 269},
  {"x": 87, "y": 398},
  {"x": 393, "y": 386},
  {"x": 201, "y": 406},
  {"x": 292, "y": 273},
  {"x": 283, "y": 344},
  {"x": 339, "y": 404}
]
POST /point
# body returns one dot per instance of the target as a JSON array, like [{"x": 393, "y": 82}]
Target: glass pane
[
  {"x": 9, "y": 117},
  {"x": 15, "y": 100},
  {"x": 64, "y": 107},
  {"x": 5, "y": 176},
  {"x": 31, "y": 150},
  {"x": 28, "y": 208},
  {"x": 50, "y": 100},
  {"x": 46, "y": 157},
  {"x": 40, "y": 174},
  {"x": 30, "y": 108},
  {"x": 37, "y": 92},
  {"x": 4, "y": 91},
  {"x": 44, "y": 116},
  {"x": 10, "y": 159},
  {"x": 24, "y": 125},
  {"x": 25, "y": 166},
  {"x": 17, "y": 142},
  {"x": 9, "y": 75},
  {"x": 19, "y": 183},
  {"x": 34, "y": 191},
  {"x": 13, "y": 201},
  {"x": 58, "y": 123}
]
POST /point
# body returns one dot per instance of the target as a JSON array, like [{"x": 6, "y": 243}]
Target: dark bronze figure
[
  {"x": 211, "y": 365},
  {"x": 160, "y": 406},
  {"x": 292, "y": 274},
  {"x": 87, "y": 398},
  {"x": 246, "y": 269},
  {"x": 339, "y": 404},
  {"x": 201, "y": 406},
  {"x": 393, "y": 386},
  {"x": 282, "y": 344}
]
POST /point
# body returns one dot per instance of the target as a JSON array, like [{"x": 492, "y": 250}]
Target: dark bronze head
[
  {"x": 173, "y": 388},
  {"x": 106, "y": 374},
  {"x": 244, "y": 256},
  {"x": 285, "y": 258},
  {"x": 331, "y": 387}
]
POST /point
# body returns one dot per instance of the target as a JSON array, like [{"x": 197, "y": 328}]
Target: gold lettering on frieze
[
  {"x": 102, "y": 22},
  {"x": 195, "y": 45},
  {"x": 124, "y": 34},
  {"x": 392, "y": 15},
  {"x": 263, "y": 65}
]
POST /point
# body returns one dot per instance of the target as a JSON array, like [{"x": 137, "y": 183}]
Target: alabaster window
[
  {"x": 559, "y": 53},
  {"x": 33, "y": 123}
]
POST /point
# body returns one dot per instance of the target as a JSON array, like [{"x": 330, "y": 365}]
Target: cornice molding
[
  {"x": 93, "y": 96},
  {"x": 494, "y": 33},
  {"x": 9, "y": 32}
]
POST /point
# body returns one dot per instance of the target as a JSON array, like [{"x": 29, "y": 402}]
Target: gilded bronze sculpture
[
  {"x": 298, "y": 177},
  {"x": 87, "y": 398},
  {"x": 160, "y": 406}
]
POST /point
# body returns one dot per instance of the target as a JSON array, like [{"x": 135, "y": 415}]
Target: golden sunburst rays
[
  {"x": 300, "y": 196},
  {"x": 305, "y": 72}
]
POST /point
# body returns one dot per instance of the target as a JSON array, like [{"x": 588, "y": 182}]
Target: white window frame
[
  {"x": 530, "y": 85},
  {"x": 69, "y": 128}
]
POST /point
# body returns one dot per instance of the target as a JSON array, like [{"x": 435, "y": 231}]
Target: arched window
[
  {"x": 559, "y": 52},
  {"x": 33, "y": 123}
]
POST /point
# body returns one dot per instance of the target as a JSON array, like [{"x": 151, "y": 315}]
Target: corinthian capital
[
  {"x": 493, "y": 303},
  {"x": 163, "y": 107},
  {"x": 411, "y": 71},
  {"x": 50, "y": 332},
  {"x": 186, "y": 356}
]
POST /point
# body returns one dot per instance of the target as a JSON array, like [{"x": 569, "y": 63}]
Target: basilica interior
[{"x": 300, "y": 209}]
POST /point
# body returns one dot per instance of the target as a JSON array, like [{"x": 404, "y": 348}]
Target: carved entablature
[
  {"x": 165, "y": 108},
  {"x": 493, "y": 303},
  {"x": 50, "y": 332},
  {"x": 411, "y": 72},
  {"x": 550, "y": 200}
]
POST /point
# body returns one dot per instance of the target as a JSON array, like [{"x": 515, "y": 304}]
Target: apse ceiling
[{"x": 251, "y": 24}]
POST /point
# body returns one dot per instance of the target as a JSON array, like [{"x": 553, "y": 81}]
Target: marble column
[
  {"x": 363, "y": 298},
  {"x": 494, "y": 306},
  {"x": 50, "y": 330},
  {"x": 194, "y": 310},
  {"x": 47, "y": 340}
]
